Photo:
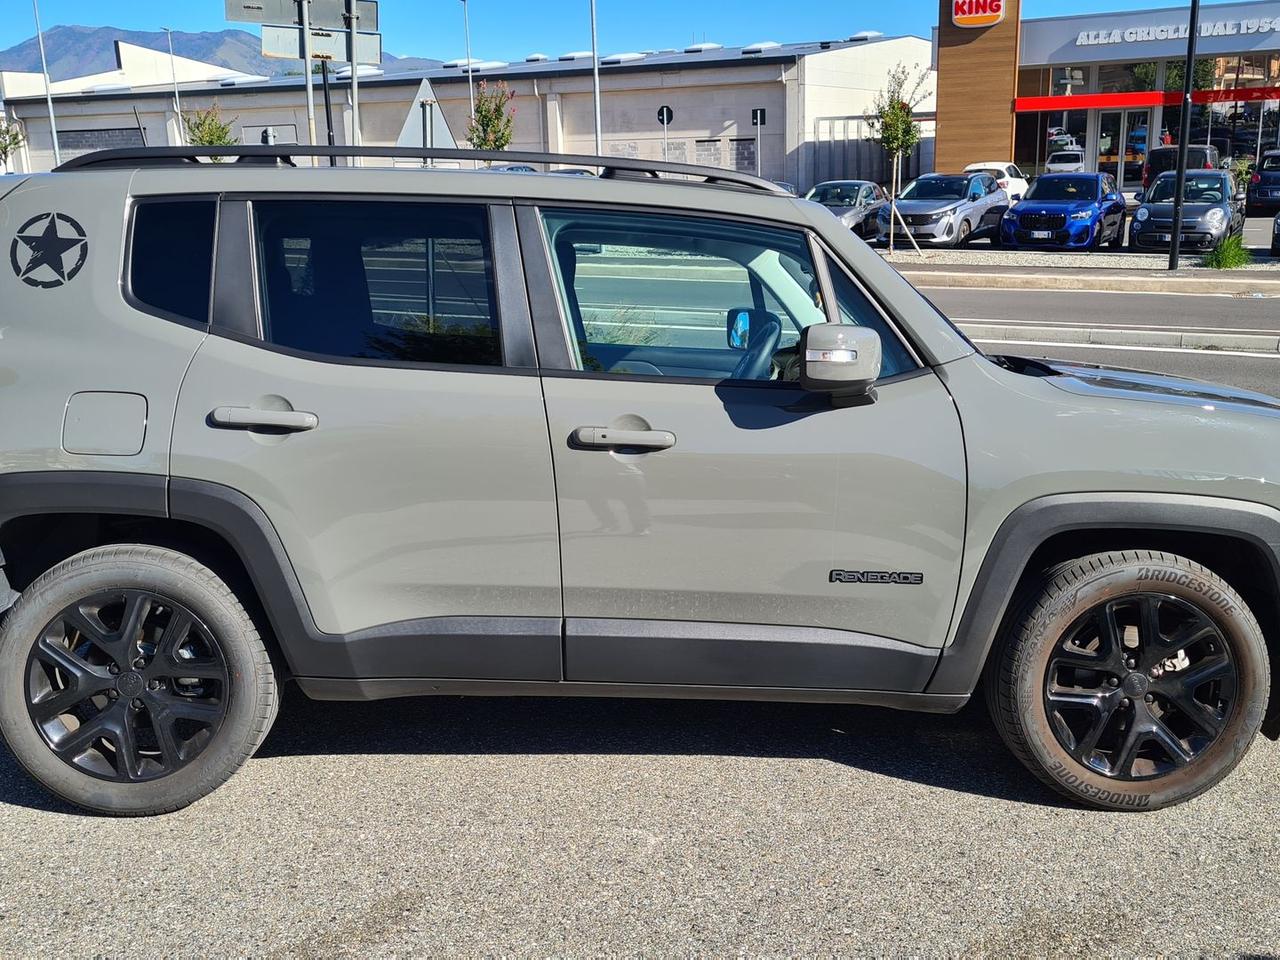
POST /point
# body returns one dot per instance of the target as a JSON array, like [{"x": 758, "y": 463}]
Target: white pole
[
  {"x": 353, "y": 23},
  {"x": 466, "y": 29},
  {"x": 48, "y": 90},
  {"x": 306, "y": 69},
  {"x": 177, "y": 97},
  {"x": 595, "y": 79}
]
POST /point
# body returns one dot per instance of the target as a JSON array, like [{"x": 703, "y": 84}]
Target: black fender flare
[{"x": 1034, "y": 523}]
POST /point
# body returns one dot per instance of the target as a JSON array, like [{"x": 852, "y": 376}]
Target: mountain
[{"x": 75, "y": 51}]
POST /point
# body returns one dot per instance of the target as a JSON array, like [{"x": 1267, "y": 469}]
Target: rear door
[
  {"x": 370, "y": 385},
  {"x": 739, "y": 532}
]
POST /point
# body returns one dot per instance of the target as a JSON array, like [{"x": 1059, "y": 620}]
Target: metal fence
[{"x": 844, "y": 150}]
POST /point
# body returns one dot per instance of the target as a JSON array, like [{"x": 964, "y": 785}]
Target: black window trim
[
  {"x": 237, "y": 319},
  {"x": 126, "y": 275},
  {"x": 551, "y": 322}
]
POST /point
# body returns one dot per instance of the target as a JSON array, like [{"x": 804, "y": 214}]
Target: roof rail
[{"x": 611, "y": 167}]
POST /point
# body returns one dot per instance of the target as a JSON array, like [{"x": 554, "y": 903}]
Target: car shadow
[{"x": 958, "y": 753}]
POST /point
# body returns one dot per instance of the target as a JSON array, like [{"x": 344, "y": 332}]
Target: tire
[
  {"x": 189, "y": 733},
  {"x": 1117, "y": 242},
  {"x": 962, "y": 234},
  {"x": 1044, "y": 640}
]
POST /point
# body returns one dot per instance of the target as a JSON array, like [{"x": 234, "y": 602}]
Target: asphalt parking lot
[{"x": 562, "y": 827}]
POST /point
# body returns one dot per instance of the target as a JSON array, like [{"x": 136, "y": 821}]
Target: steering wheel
[{"x": 757, "y": 362}]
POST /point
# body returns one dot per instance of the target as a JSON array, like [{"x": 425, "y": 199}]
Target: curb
[
  {"x": 1198, "y": 340},
  {"x": 1231, "y": 286}
]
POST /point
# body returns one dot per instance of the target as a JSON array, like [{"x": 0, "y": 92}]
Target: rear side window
[
  {"x": 171, "y": 257},
  {"x": 379, "y": 281}
]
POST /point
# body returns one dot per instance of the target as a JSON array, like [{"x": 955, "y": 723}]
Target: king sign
[{"x": 977, "y": 13}]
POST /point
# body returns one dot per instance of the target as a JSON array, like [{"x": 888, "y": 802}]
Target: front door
[
  {"x": 719, "y": 526},
  {"x": 374, "y": 409},
  {"x": 1123, "y": 141}
]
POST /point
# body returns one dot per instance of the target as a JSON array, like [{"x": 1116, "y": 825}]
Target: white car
[
  {"x": 1065, "y": 161},
  {"x": 1012, "y": 180}
]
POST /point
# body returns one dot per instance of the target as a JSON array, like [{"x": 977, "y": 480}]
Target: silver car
[
  {"x": 855, "y": 203},
  {"x": 946, "y": 209}
]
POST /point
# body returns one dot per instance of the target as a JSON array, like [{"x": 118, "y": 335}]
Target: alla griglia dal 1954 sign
[{"x": 977, "y": 13}]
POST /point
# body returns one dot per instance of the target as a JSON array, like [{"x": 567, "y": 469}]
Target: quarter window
[
  {"x": 171, "y": 257},
  {"x": 379, "y": 281}
]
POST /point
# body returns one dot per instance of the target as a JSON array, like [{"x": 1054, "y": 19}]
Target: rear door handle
[
  {"x": 295, "y": 421},
  {"x": 606, "y": 438}
]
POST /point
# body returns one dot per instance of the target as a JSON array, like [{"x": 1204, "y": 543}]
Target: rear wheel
[
  {"x": 1131, "y": 680},
  {"x": 132, "y": 681}
]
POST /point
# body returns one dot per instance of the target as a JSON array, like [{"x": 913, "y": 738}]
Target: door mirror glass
[
  {"x": 739, "y": 329},
  {"x": 841, "y": 360},
  {"x": 1140, "y": 197}
]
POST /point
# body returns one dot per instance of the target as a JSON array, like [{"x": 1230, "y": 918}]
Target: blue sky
[{"x": 510, "y": 29}]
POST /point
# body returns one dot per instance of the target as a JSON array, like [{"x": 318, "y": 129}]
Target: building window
[
  {"x": 171, "y": 257},
  {"x": 1068, "y": 81},
  {"x": 382, "y": 281},
  {"x": 1126, "y": 77}
]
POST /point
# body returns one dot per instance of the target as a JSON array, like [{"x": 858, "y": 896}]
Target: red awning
[{"x": 1145, "y": 98}]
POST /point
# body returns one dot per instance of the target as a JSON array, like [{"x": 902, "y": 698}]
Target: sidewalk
[{"x": 1261, "y": 279}]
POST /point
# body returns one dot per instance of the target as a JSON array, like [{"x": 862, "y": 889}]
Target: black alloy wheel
[
  {"x": 1140, "y": 686},
  {"x": 127, "y": 686}
]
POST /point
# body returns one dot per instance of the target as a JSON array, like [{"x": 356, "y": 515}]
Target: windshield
[
  {"x": 1270, "y": 164},
  {"x": 1063, "y": 189},
  {"x": 937, "y": 188},
  {"x": 1198, "y": 190},
  {"x": 835, "y": 194}
]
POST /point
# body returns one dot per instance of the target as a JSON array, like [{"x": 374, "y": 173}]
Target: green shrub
[{"x": 1230, "y": 254}]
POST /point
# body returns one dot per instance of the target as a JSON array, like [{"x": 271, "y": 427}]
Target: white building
[{"x": 813, "y": 99}]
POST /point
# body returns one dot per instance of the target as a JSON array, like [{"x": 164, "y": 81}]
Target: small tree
[
  {"x": 893, "y": 125},
  {"x": 206, "y": 128},
  {"x": 494, "y": 122},
  {"x": 11, "y": 140}
]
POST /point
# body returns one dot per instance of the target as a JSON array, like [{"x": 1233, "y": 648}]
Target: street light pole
[
  {"x": 466, "y": 30},
  {"x": 595, "y": 79},
  {"x": 177, "y": 97},
  {"x": 1188, "y": 84},
  {"x": 353, "y": 23},
  {"x": 310, "y": 77},
  {"x": 48, "y": 90}
]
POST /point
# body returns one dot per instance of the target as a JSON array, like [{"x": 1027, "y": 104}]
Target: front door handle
[
  {"x": 294, "y": 421},
  {"x": 606, "y": 438}
]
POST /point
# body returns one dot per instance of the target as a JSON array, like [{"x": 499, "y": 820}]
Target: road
[
  {"x": 556, "y": 827},
  {"x": 1145, "y": 312}
]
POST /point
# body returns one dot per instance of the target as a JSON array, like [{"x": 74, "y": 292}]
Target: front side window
[
  {"x": 171, "y": 257},
  {"x": 670, "y": 296},
  {"x": 378, "y": 281}
]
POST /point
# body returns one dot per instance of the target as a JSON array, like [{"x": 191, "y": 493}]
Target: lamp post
[
  {"x": 177, "y": 97},
  {"x": 1184, "y": 134},
  {"x": 595, "y": 78},
  {"x": 466, "y": 30},
  {"x": 48, "y": 90}
]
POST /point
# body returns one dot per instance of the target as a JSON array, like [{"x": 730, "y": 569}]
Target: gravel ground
[
  {"x": 987, "y": 256},
  {"x": 534, "y": 828}
]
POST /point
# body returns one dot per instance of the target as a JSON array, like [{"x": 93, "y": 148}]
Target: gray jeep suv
[{"x": 395, "y": 432}]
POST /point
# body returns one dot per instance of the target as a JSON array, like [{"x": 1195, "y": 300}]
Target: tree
[
  {"x": 494, "y": 121},
  {"x": 11, "y": 140},
  {"x": 206, "y": 128},
  {"x": 893, "y": 125}
]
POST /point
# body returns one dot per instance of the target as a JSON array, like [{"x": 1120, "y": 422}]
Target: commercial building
[
  {"x": 1111, "y": 84},
  {"x": 795, "y": 112}
]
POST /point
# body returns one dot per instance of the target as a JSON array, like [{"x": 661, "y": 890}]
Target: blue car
[{"x": 1069, "y": 211}]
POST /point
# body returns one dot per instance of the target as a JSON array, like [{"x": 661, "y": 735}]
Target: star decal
[{"x": 48, "y": 251}]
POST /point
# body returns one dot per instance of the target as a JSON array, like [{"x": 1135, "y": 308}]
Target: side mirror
[
  {"x": 1241, "y": 196},
  {"x": 1140, "y": 197},
  {"x": 738, "y": 329},
  {"x": 976, "y": 195},
  {"x": 841, "y": 360}
]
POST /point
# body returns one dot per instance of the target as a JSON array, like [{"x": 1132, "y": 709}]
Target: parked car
[
  {"x": 1275, "y": 237},
  {"x": 1264, "y": 184},
  {"x": 788, "y": 187},
  {"x": 279, "y": 446},
  {"x": 1212, "y": 211},
  {"x": 1066, "y": 161},
  {"x": 1199, "y": 157},
  {"x": 513, "y": 168},
  {"x": 574, "y": 172},
  {"x": 1011, "y": 179},
  {"x": 1067, "y": 211},
  {"x": 946, "y": 209},
  {"x": 854, "y": 202}
]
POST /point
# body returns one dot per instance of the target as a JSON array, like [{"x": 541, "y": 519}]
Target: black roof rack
[{"x": 610, "y": 167}]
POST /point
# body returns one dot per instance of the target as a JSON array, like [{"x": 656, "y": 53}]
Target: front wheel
[
  {"x": 132, "y": 681},
  {"x": 962, "y": 234},
  {"x": 1132, "y": 680}
]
